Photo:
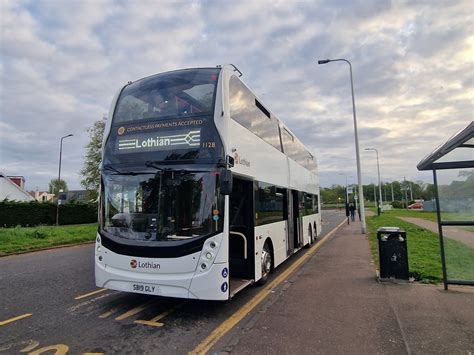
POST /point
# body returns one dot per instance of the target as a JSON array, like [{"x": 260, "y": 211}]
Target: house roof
[
  {"x": 457, "y": 152},
  {"x": 11, "y": 191}
]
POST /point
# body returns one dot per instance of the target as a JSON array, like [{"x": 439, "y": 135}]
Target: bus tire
[
  {"x": 310, "y": 238},
  {"x": 267, "y": 264}
]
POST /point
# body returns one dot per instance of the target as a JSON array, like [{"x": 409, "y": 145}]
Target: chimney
[{"x": 18, "y": 180}]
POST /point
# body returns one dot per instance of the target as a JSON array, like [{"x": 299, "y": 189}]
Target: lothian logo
[{"x": 144, "y": 265}]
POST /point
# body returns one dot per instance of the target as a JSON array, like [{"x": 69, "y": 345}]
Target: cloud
[{"x": 62, "y": 62}]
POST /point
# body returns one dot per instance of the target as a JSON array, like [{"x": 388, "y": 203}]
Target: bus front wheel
[{"x": 267, "y": 262}]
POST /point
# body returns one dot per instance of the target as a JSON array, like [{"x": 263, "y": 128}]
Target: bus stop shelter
[{"x": 452, "y": 164}]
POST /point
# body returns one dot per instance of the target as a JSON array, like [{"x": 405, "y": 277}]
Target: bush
[
  {"x": 34, "y": 213},
  {"x": 397, "y": 204}
]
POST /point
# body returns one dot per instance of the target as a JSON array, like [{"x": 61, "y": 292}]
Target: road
[{"x": 50, "y": 302}]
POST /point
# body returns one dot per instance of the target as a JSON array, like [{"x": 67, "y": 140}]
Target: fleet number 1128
[{"x": 208, "y": 144}]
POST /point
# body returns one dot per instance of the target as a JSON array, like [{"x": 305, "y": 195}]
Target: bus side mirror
[{"x": 226, "y": 182}]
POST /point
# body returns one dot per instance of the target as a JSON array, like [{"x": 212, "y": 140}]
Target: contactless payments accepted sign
[{"x": 147, "y": 142}]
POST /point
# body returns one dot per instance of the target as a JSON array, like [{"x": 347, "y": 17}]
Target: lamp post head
[{"x": 324, "y": 61}]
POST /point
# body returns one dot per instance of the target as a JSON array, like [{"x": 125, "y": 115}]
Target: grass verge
[
  {"x": 398, "y": 212},
  {"x": 424, "y": 258},
  {"x": 21, "y": 239}
]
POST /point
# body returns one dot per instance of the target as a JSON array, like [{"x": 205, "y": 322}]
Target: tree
[
  {"x": 56, "y": 185},
  {"x": 90, "y": 172}
]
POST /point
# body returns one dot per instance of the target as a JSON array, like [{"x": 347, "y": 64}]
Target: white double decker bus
[{"x": 203, "y": 190}]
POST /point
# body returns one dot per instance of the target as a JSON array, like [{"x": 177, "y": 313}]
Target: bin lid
[{"x": 390, "y": 230}]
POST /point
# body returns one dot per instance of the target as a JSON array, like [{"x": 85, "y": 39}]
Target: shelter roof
[{"x": 457, "y": 152}]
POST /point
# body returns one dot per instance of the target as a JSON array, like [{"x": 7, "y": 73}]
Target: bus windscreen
[
  {"x": 181, "y": 93},
  {"x": 162, "y": 206}
]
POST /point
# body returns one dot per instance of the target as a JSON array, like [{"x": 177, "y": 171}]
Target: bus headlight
[{"x": 209, "y": 255}]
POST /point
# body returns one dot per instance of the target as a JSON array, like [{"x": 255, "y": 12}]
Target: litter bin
[{"x": 393, "y": 254}]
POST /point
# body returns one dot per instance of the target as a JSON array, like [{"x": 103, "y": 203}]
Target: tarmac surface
[{"x": 334, "y": 305}]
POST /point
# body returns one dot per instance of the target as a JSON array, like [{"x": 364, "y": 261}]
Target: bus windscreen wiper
[
  {"x": 154, "y": 164},
  {"x": 118, "y": 172}
]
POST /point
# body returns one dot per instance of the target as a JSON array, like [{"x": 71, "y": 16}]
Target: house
[
  {"x": 12, "y": 188},
  {"x": 74, "y": 195},
  {"x": 42, "y": 196}
]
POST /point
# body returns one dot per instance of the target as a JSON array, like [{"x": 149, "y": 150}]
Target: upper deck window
[
  {"x": 250, "y": 113},
  {"x": 296, "y": 151},
  {"x": 179, "y": 93}
]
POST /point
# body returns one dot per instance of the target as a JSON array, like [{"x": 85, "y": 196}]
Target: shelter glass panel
[
  {"x": 459, "y": 252},
  {"x": 456, "y": 194},
  {"x": 458, "y": 154}
]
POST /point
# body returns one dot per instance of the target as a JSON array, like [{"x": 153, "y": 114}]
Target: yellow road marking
[
  {"x": 14, "y": 319},
  {"x": 154, "y": 322},
  {"x": 235, "y": 318},
  {"x": 109, "y": 313},
  {"x": 60, "y": 349},
  {"x": 135, "y": 310},
  {"x": 32, "y": 344},
  {"x": 90, "y": 293},
  {"x": 89, "y": 302}
]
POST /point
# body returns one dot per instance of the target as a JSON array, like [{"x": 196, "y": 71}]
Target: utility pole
[
  {"x": 375, "y": 194},
  {"x": 59, "y": 177},
  {"x": 405, "y": 189}
]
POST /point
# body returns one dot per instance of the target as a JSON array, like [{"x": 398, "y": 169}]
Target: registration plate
[{"x": 144, "y": 288}]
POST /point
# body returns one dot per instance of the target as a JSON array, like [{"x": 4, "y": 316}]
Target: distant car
[{"x": 416, "y": 206}]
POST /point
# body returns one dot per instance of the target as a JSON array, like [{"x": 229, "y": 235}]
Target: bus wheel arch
[{"x": 267, "y": 261}]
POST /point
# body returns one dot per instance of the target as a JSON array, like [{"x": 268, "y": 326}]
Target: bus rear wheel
[{"x": 267, "y": 262}]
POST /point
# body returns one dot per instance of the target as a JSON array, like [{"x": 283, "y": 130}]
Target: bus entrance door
[{"x": 241, "y": 230}]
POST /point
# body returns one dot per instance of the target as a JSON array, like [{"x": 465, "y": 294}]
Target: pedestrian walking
[{"x": 352, "y": 211}]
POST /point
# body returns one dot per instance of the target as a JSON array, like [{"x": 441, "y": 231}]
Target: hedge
[{"x": 35, "y": 213}]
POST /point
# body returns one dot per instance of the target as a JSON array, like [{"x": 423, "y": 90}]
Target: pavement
[
  {"x": 461, "y": 235},
  {"x": 334, "y": 304}
]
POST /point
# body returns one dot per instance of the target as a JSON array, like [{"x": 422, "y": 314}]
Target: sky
[{"x": 61, "y": 63}]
